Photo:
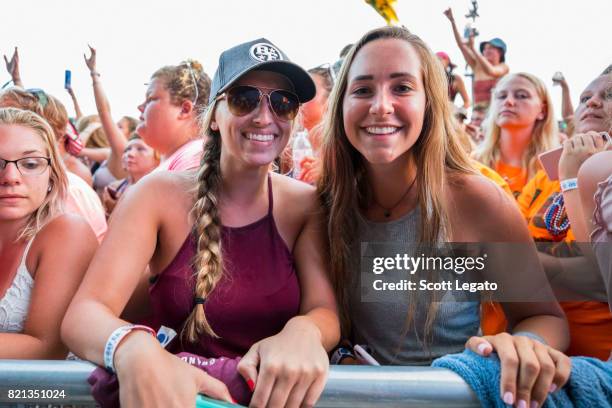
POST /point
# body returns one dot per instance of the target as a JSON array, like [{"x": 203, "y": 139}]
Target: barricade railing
[{"x": 347, "y": 386}]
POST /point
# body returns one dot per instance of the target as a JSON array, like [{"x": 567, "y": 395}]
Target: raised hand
[
  {"x": 12, "y": 66},
  {"x": 449, "y": 14},
  {"x": 91, "y": 61}
]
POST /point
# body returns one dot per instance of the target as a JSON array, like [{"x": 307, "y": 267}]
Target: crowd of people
[{"x": 203, "y": 220}]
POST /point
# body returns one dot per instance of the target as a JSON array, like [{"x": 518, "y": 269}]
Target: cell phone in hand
[
  {"x": 550, "y": 162},
  {"x": 67, "y": 79}
]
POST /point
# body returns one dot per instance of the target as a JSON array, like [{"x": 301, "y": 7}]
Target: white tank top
[{"x": 16, "y": 301}]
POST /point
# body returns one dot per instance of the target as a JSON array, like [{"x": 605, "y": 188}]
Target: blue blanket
[{"x": 589, "y": 385}]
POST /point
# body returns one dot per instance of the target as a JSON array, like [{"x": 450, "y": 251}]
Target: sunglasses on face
[{"x": 244, "y": 99}]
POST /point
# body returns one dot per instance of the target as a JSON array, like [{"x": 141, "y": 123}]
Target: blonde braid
[{"x": 207, "y": 261}]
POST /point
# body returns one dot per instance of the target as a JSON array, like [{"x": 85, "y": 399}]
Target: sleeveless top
[
  {"x": 16, "y": 301},
  {"x": 382, "y": 324},
  {"x": 258, "y": 293},
  {"x": 601, "y": 237},
  {"x": 482, "y": 90}
]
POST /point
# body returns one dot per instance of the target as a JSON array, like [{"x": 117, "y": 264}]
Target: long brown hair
[{"x": 343, "y": 186}]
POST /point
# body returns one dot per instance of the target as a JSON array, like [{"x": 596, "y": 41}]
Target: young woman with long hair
[
  {"x": 43, "y": 252},
  {"x": 519, "y": 126},
  {"x": 394, "y": 171},
  {"x": 239, "y": 260}
]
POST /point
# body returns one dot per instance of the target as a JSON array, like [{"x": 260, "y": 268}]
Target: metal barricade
[{"x": 347, "y": 386}]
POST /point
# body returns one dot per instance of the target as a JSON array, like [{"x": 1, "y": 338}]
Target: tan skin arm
[
  {"x": 496, "y": 71},
  {"x": 57, "y": 259},
  {"x": 459, "y": 85},
  {"x": 528, "y": 367},
  {"x": 593, "y": 171},
  {"x": 116, "y": 139},
  {"x": 465, "y": 50},
  {"x": 75, "y": 102},
  {"x": 97, "y": 154}
]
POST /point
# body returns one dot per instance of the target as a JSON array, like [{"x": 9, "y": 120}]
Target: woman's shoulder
[
  {"x": 65, "y": 233},
  {"x": 292, "y": 189},
  {"x": 480, "y": 209},
  {"x": 166, "y": 185}
]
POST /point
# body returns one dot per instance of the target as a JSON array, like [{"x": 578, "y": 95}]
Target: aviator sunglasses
[{"x": 244, "y": 99}]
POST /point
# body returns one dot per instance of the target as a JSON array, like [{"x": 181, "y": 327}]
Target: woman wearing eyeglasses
[
  {"x": 175, "y": 97},
  {"x": 237, "y": 250},
  {"x": 43, "y": 253}
]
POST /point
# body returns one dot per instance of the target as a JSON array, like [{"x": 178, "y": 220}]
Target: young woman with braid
[{"x": 238, "y": 254}]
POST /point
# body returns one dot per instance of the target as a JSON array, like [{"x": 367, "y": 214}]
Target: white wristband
[
  {"x": 569, "y": 184},
  {"x": 115, "y": 338}
]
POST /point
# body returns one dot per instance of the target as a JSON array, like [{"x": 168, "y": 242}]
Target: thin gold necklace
[{"x": 387, "y": 211}]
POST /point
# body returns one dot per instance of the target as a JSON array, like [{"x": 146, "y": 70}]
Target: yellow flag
[{"x": 385, "y": 9}]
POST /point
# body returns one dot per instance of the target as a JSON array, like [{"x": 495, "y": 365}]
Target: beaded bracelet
[
  {"x": 115, "y": 339},
  {"x": 569, "y": 184}
]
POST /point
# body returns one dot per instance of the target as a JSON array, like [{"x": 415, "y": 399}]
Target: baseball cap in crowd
[
  {"x": 260, "y": 55},
  {"x": 497, "y": 43},
  {"x": 443, "y": 55}
]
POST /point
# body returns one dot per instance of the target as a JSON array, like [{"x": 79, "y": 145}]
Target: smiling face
[
  {"x": 516, "y": 104},
  {"x": 159, "y": 117},
  {"x": 258, "y": 137},
  {"x": 594, "y": 113},
  {"x": 384, "y": 103},
  {"x": 20, "y": 195}
]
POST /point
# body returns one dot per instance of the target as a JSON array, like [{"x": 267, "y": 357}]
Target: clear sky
[{"x": 135, "y": 37}]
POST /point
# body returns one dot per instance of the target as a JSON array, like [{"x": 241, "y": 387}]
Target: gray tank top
[{"x": 382, "y": 325}]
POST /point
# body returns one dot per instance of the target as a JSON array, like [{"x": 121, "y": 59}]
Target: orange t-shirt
[
  {"x": 590, "y": 322},
  {"x": 492, "y": 175},
  {"x": 516, "y": 177}
]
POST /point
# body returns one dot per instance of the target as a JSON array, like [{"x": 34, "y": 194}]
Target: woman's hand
[
  {"x": 12, "y": 67},
  {"x": 449, "y": 14},
  {"x": 293, "y": 367},
  {"x": 577, "y": 149},
  {"x": 91, "y": 61},
  {"x": 143, "y": 372},
  {"x": 530, "y": 370},
  {"x": 310, "y": 170}
]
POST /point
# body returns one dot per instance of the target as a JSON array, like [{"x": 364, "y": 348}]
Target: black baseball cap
[{"x": 261, "y": 55}]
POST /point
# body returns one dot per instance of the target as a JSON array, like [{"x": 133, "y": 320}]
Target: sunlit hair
[
  {"x": 131, "y": 122},
  {"x": 343, "y": 187},
  {"x": 544, "y": 136},
  {"x": 97, "y": 138},
  {"x": 53, "y": 111},
  {"x": 186, "y": 82},
  {"x": 52, "y": 205}
]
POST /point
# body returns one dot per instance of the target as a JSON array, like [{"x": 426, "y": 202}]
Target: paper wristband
[
  {"x": 115, "y": 338},
  {"x": 569, "y": 184}
]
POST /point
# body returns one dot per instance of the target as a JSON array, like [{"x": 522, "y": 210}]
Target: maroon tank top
[{"x": 258, "y": 293}]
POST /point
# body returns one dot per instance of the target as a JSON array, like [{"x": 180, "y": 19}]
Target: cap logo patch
[{"x": 265, "y": 52}]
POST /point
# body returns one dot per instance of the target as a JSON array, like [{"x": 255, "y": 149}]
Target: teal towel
[{"x": 589, "y": 385}]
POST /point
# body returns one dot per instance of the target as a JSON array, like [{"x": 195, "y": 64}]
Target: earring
[{"x": 49, "y": 188}]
